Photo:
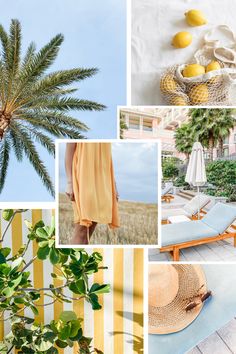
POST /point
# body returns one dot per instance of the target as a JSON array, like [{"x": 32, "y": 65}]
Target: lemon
[
  {"x": 182, "y": 39},
  {"x": 199, "y": 94},
  {"x": 193, "y": 70},
  {"x": 178, "y": 101},
  {"x": 213, "y": 65},
  {"x": 168, "y": 84},
  {"x": 195, "y": 18}
]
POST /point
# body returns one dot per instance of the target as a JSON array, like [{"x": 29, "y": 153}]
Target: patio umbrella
[{"x": 196, "y": 172}]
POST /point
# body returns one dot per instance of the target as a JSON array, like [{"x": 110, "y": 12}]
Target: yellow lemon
[
  {"x": 213, "y": 65},
  {"x": 199, "y": 94},
  {"x": 168, "y": 84},
  {"x": 193, "y": 70},
  {"x": 182, "y": 40},
  {"x": 195, "y": 18},
  {"x": 178, "y": 101}
]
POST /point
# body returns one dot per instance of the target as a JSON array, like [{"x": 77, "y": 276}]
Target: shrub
[
  {"x": 169, "y": 168},
  {"x": 17, "y": 292},
  {"x": 180, "y": 182},
  {"x": 222, "y": 174}
]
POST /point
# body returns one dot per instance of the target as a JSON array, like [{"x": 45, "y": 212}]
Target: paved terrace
[{"x": 222, "y": 341}]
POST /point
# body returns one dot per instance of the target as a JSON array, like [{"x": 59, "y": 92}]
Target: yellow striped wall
[{"x": 118, "y": 327}]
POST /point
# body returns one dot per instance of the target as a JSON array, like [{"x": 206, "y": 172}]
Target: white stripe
[
  {"x": 7, "y": 243},
  {"x": 29, "y": 253},
  {"x": 108, "y": 302},
  {"x": 128, "y": 301}
]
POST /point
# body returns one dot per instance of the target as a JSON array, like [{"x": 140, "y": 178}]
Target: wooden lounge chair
[
  {"x": 190, "y": 209},
  {"x": 165, "y": 193},
  {"x": 216, "y": 225}
]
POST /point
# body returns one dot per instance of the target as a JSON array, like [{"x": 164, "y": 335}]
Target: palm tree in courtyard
[
  {"x": 211, "y": 126},
  {"x": 184, "y": 139},
  {"x": 35, "y": 105}
]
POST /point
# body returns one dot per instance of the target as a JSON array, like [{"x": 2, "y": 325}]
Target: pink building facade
[{"x": 160, "y": 123}]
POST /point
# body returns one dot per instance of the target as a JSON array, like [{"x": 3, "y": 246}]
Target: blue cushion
[
  {"x": 186, "y": 231},
  {"x": 220, "y": 217}
]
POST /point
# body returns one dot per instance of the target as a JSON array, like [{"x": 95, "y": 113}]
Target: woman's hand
[{"x": 69, "y": 191}]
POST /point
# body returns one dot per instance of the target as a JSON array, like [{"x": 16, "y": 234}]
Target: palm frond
[
  {"x": 43, "y": 139},
  {"x": 14, "y": 48},
  {"x": 16, "y": 144},
  {"x": 61, "y": 78},
  {"x": 65, "y": 104},
  {"x": 5, "y": 45},
  {"x": 41, "y": 61},
  {"x": 29, "y": 55},
  {"x": 54, "y": 129},
  {"x": 54, "y": 118},
  {"x": 4, "y": 159},
  {"x": 33, "y": 156}
]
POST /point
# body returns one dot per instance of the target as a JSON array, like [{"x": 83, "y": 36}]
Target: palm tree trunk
[
  {"x": 4, "y": 123},
  {"x": 221, "y": 147},
  {"x": 211, "y": 146}
]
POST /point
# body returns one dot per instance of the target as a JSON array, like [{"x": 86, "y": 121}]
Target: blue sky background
[
  {"x": 136, "y": 170},
  {"x": 95, "y": 36}
]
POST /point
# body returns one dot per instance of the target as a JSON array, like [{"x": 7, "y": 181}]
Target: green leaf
[
  {"x": 8, "y": 292},
  {"x": 2, "y": 259},
  {"x": 34, "y": 310},
  {"x": 17, "y": 263},
  {"x": 75, "y": 326},
  {"x": 67, "y": 316},
  {"x": 43, "y": 244},
  {"x": 61, "y": 344},
  {"x": 28, "y": 225},
  {"x": 100, "y": 289},
  {"x": 19, "y": 300},
  {"x": 64, "y": 333},
  {"x": 43, "y": 252},
  {"x": 7, "y": 214},
  {"x": 41, "y": 233},
  {"x": 78, "y": 287},
  {"x": 14, "y": 283},
  {"x": 94, "y": 301},
  {"x": 54, "y": 256},
  {"x": 43, "y": 346},
  {"x": 5, "y": 251},
  {"x": 65, "y": 251}
]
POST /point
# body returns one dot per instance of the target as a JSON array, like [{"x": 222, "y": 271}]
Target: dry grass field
[{"x": 138, "y": 224}]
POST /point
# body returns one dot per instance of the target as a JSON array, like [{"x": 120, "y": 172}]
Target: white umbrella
[{"x": 196, "y": 172}]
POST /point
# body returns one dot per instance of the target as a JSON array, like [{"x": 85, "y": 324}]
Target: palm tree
[
  {"x": 184, "y": 139},
  {"x": 35, "y": 104},
  {"x": 226, "y": 122},
  {"x": 211, "y": 126}
]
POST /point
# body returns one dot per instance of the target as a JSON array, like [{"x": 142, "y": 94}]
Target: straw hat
[{"x": 171, "y": 289}]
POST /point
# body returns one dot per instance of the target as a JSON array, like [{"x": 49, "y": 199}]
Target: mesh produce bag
[{"x": 216, "y": 87}]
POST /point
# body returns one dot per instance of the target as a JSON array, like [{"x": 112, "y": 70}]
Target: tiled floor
[
  {"x": 217, "y": 251},
  {"x": 222, "y": 341}
]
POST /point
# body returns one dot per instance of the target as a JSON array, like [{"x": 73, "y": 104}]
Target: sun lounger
[
  {"x": 165, "y": 196},
  {"x": 190, "y": 209},
  {"x": 216, "y": 225}
]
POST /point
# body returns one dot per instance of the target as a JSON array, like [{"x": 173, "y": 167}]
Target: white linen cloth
[{"x": 154, "y": 23}]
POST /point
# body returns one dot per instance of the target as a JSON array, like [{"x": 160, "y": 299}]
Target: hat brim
[{"x": 179, "y": 319}]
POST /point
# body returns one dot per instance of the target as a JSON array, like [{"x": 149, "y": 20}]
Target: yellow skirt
[{"x": 94, "y": 185}]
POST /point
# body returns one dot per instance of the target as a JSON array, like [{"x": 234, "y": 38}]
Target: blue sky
[
  {"x": 95, "y": 36},
  {"x": 136, "y": 170}
]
